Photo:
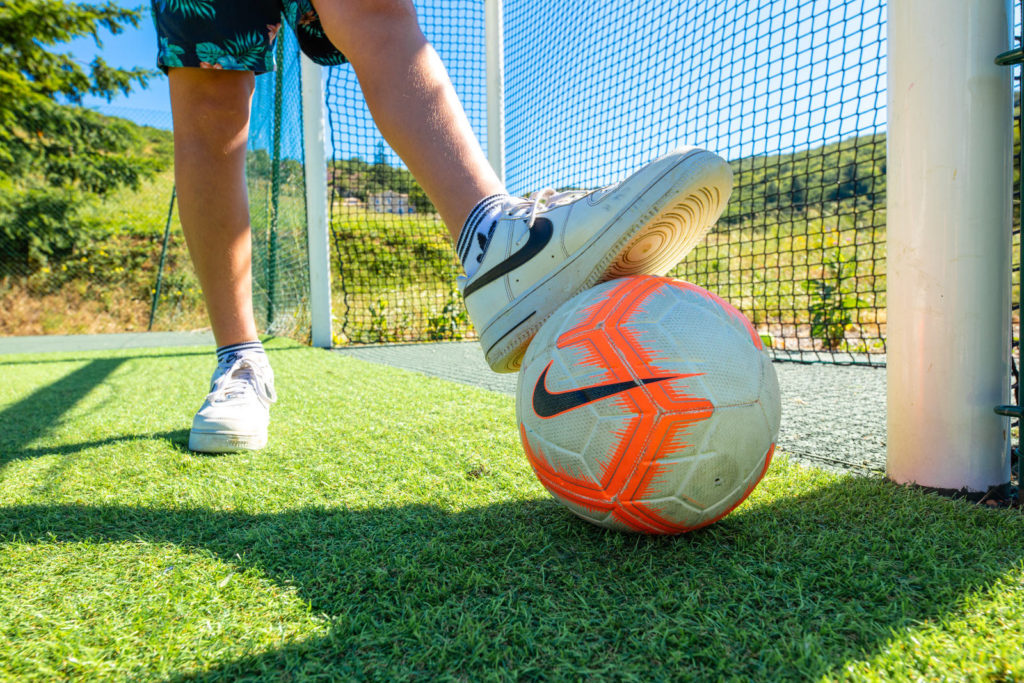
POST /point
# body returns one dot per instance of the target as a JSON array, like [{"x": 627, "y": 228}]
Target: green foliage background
[{"x": 57, "y": 158}]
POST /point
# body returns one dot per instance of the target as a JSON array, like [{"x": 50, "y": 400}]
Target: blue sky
[
  {"x": 135, "y": 47},
  {"x": 597, "y": 91}
]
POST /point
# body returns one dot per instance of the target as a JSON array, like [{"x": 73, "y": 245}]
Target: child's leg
[
  {"x": 211, "y": 123},
  {"x": 412, "y": 101},
  {"x": 211, "y": 126}
]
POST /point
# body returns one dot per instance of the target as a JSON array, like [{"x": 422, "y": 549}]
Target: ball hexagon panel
[
  {"x": 738, "y": 437},
  {"x": 559, "y": 463},
  {"x": 611, "y": 445},
  {"x": 729, "y": 363}
]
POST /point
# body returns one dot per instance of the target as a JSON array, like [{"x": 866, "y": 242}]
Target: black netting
[
  {"x": 1014, "y": 61},
  {"x": 1015, "y": 256},
  {"x": 791, "y": 93},
  {"x": 275, "y": 172},
  {"x": 73, "y": 262},
  {"x": 395, "y": 269}
]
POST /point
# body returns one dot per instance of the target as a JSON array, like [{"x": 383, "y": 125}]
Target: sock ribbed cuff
[
  {"x": 235, "y": 349},
  {"x": 479, "y": 212}
]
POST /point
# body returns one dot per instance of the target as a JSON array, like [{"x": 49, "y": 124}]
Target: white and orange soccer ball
[{"x": 648, "y": 404}]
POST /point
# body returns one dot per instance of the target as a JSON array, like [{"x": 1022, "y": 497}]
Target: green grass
[{"x": 393, "y": 530}]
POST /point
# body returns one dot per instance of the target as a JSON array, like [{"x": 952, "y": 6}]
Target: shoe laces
[
  {"x": 544, "y": 200},
  {"x": 243, "y": 375}
]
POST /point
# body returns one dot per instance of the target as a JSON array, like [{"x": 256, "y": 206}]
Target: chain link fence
[
  {"x": 75, "y": 262},
  {"x": 394, "y": 265},
  {"x": 275, "y": 176}
]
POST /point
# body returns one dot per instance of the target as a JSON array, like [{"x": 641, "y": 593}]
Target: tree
[
  {"x": 797, "y": 192},
  {"x": 419, "y": 200},
  {"x": 68, "y": 144},
  {"x": 50, "y": 146},
  {"x": 381, "y": 175},
  {"x": 257, "y": 165},
  {"x": 851, "y": 184},
  {"x": 357, "y": 178}
]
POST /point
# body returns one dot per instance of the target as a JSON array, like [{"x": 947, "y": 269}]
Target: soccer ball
[{"x": 648, "y": 404}]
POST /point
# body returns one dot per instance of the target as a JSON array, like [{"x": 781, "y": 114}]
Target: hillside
[
  {"x": 43, "y": 213},
  {"x": 802, "y": 230},
  {"x": 839, "y": 178}
]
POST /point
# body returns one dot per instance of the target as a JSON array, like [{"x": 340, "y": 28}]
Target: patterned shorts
[{"x": 236, "y": 34}]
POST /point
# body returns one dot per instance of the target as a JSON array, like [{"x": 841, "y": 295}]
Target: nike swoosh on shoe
[{"x": 540, "y": 234}]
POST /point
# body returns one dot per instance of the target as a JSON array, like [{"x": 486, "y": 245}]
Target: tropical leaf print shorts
[{"x": 237, "y": 35}]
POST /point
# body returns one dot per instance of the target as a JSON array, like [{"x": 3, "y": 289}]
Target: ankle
[
  {"x": 477, "y": 230},
  {"x": 224, "y": 353}
]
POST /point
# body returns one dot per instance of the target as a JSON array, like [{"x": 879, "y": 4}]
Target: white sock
[
  {"x": 477, "y": 231},
  {"x": 231, "y": 351}
]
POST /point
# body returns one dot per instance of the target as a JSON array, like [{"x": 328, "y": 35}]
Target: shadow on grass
[
  {"x": 15, "y": 361},
  {"x": 132, "y": 354},
  {"x": 791, "y": 589},
  {"x": 36, "y": 414},
  {"x": 177, "y": 440}
]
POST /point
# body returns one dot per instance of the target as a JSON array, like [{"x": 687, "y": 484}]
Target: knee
[{"x": 210, "y": 103}]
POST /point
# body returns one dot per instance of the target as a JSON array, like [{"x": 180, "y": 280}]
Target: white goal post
[
  {"x": 495, "y": 58},
  {"x": 316, "y": 203},
  {"x": 950, "y": 146}
]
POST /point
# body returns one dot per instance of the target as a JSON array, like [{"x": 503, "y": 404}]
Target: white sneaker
[
  {"x": 235, "y": 414},
  {"x": 544, "y": 252}
]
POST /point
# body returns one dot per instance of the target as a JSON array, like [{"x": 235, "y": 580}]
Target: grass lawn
[{"x": 393, "y": 530}]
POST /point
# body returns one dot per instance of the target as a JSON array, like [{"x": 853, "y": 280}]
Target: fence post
[
  {"x": 275, "y": 188},
  {"x": 163, "y": 260},
  {"x": 316, "y": 203},
  {"x": 950, "y": 147},
  {"x": 495, "y": 58}
]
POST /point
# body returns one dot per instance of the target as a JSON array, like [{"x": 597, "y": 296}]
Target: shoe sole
[
  {"x": 225, "y": 442},
  {"x": 648, "y": 241}
]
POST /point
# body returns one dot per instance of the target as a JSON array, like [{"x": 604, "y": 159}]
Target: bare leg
[
  {"x": 211, "y": 124},
  {"x": 412, "y": 101}
]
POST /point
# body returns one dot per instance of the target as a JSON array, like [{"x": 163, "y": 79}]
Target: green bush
[
  {"x": 833, "y": 299},
  {"x": 46, "y": 218}
]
